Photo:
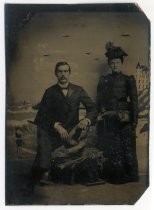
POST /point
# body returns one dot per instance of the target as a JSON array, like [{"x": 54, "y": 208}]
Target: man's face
[
  {"x": 115, "y": 65},
  {"x": 63, "y": 74}
]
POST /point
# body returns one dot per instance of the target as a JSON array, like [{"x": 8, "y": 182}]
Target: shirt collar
[{"x": 63, "y": 86}]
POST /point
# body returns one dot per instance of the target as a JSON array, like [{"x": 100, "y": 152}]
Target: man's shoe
[{"x": 45, "y": 179}]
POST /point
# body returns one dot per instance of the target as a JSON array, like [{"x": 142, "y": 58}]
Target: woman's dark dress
[{"x": 118, "y": 108}]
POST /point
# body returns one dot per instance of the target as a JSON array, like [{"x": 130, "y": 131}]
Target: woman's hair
[{"x": 110, "y": 59}]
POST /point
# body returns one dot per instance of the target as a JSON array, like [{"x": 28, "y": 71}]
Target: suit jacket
[
  {"x": 56, "y": 107},
  {"x": 117, "y": 92}
]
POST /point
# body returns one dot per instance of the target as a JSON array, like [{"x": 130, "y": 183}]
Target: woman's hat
[{"x": 114, "y": 51}]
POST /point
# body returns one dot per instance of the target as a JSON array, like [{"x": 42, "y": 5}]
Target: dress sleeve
[
  {"x": 132, "y": 90},
  {"x": 99, "y": 99}
]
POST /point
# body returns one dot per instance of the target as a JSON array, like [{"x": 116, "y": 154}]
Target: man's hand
[
  {"x": 84, "y": 123},
  {"x": 62, "y": 131}
]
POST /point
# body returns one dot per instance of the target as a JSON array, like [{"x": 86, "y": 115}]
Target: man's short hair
[{"x": 62, "y": 63}]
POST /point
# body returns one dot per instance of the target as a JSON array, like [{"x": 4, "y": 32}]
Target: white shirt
[{"x": 64, "y": 91}]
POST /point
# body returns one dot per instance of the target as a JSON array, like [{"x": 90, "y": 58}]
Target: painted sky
[{"x": 78, "y": 38}]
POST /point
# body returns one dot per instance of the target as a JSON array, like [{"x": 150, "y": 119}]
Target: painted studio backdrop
[{"x": 37, "y": 37}]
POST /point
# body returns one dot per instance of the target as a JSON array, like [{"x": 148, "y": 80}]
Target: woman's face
[{"x": 115, "y": 64}]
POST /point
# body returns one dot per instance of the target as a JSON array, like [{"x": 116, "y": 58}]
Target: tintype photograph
[{"x": 77, "y": 104}]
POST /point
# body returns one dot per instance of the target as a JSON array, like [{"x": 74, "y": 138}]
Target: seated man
[{"x": 58, "y": 113}]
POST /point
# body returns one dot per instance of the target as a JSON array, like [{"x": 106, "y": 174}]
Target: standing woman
[{"x": 117, "y": 103}]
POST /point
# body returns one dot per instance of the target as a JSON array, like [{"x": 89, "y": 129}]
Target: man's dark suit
[{"x": 56, "y": 107}]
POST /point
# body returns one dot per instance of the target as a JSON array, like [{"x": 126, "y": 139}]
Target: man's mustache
[{"x": 63, "y": 77}]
